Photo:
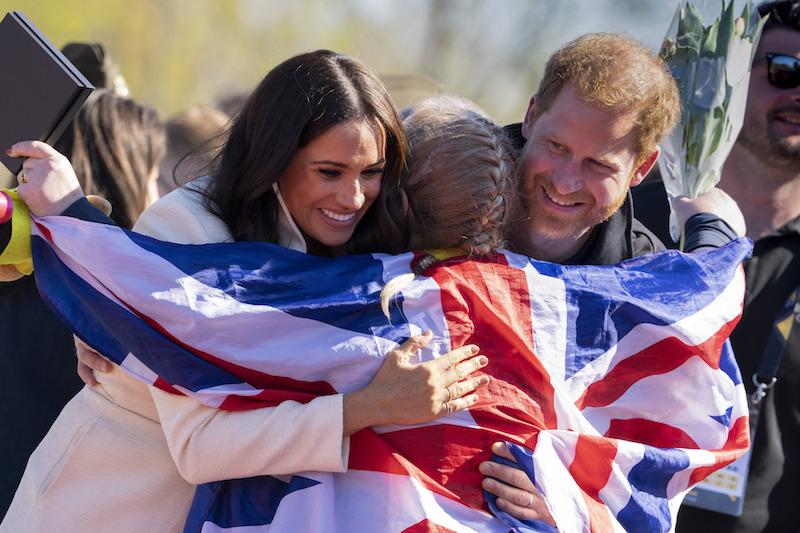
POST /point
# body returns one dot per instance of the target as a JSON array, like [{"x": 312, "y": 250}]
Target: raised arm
[{"x": 709, "y": 221}]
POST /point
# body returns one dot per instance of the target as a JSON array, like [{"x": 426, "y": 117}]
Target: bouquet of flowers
[{"x": 711, "y": 64}]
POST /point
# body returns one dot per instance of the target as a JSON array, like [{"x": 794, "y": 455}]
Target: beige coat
[{"x": 108, "y": 465}]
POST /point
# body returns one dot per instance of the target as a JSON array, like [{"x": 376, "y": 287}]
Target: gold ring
[
  {"x": 449, "y": 394},
  {"x": 448, "y": 408},
  {"x": 530, "y": 502},
  {"x": 23, "y": 176}
]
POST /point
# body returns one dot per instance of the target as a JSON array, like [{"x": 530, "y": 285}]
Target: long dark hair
[
  {"x": 295, "y": 103},
  {"x": 115, "y": 146}
]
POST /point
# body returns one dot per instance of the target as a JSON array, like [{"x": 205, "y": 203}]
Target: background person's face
[
  {"x": 576, "y": 167},
  {"x": 771, "y": 128},
  {"x": 331, "y": 182}
]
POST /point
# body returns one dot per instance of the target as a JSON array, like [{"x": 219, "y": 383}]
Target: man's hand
[
  {"x": 90, "y": 362},
  {"x": 717, "y": 202},
  {"x": 515, "y": 492}
]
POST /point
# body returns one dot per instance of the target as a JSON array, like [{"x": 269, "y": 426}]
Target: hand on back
[{"x": 403, "y": 392}]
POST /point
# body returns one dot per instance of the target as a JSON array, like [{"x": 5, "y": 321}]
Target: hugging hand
[
  {"x": 516, "y": 493},
  {"x": 406, "y": 393},
  {"x": 47, "y": 182}
]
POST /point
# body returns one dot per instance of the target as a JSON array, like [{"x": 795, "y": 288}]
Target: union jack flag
[{"x": 615, "y": 384}]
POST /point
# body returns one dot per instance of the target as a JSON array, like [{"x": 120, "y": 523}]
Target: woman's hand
[
  {"x": 47, "y": 182},
  {"x": 516, "y": 493},
  {"x": 717, "y": 202},
  {"x": 89, "y": 362},
  {"x": 406, "y": 393}
]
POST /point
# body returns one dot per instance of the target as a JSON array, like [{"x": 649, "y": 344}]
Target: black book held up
[{"x": 40, "y": 90}]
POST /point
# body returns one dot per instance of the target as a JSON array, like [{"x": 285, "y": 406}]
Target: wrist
[
  {"x": 64, "y": 203},
  {"x": 359, "y": 411}
]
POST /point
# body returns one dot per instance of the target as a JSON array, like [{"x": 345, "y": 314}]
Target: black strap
[{"x": 777, "y": 343}]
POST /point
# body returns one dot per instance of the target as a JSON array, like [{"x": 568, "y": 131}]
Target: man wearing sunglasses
[{"x": 763, "y": 175}]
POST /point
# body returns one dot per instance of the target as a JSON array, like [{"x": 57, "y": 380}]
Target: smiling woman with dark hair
[{"x": 312, "y": 162}]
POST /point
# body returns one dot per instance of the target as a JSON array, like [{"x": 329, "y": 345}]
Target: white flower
[
  {"x": 738, "y": 64},
  {"x": 709, "y": 85},
  {"x": 713, "y": 91}
]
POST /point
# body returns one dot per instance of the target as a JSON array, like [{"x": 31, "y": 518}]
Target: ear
[
  {"x": 647, "y": 165},
  {"x": 527, "y": 122}
]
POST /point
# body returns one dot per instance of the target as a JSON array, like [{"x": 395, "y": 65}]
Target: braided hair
[
  {"x": 460, "y": 176},
  {"x": 459, "y": 183}
]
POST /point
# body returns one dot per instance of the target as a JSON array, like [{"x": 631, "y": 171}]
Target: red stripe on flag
[
  {"x": 373, "y": 453},
  {"x": 166, "y": 387},
  {"x": 487, "y": 302},
  {"x": 660, "y": 358},
  {"x": 44, "y": 231},
  {"x": 650, "y": 432},
  {"x": 264, "y": 398},
  {"x": 591, "y": 468},
  {"x": 449, "y": 455},
  {"x": 426, "y": 526},
  {"x": 738, "y": 441}
]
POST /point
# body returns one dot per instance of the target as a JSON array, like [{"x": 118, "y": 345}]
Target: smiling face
[
  {"x": 332, "y": 181},
  {"x": 577, "y": 165},
  {"x": 771, "y": 127}
]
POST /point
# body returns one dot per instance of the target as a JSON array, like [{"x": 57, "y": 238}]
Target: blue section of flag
[
  {"x": 344, "y": 292},
  {"x": 725, "y": 418},
  {"x": 648, "y": 507},
  {"x": 605, "y": 304},
  {"x": 241, "y": 502},
  {"x": 85, "y": 310},
  {"x": 727, "y": 363}
]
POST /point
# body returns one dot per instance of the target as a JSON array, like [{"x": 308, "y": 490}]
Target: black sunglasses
[{"x": 783, "y": 71}]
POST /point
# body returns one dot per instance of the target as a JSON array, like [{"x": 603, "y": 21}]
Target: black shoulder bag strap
[{"x": 785, "y": 326}]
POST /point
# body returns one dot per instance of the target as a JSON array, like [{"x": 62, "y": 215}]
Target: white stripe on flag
[
  {"x": 217, "y": 323},
  {"x": 554, "y": 452}
]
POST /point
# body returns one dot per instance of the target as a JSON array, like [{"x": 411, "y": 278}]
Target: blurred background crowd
[{"x": 180, "y": 52}]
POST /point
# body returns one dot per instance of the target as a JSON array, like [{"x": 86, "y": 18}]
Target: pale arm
[{"x": 209, "y": 444}]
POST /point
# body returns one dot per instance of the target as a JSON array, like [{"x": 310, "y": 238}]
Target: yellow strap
[
  {"x": 443, "y": 254},
  {"x": 18, "y": 251}
]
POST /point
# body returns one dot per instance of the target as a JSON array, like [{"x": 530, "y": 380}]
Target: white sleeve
[{"x": 209, "y": 444}]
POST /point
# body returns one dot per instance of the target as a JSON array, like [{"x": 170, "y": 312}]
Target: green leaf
[
  {"x": 755, "y": 33},
  {"x": 727, "y": 27},
  {"x": 690, "y": 29},
  {"x": 710, "y": 41}
]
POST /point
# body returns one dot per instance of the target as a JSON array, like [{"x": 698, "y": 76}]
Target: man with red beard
[
  {"x": 589, "y": 134},
  {"x": 762, "y": 174}
]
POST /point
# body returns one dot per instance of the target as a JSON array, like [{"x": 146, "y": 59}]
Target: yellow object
[
  {"x": 443, "y": 254},
  {"x": 18, "y": 251}
]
